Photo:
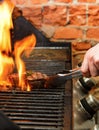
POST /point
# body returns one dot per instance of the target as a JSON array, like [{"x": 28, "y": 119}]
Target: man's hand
[{"x": 90, "y": 65}]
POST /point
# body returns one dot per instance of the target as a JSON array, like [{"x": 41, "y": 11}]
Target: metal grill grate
[{"x": 41, "y": 109}]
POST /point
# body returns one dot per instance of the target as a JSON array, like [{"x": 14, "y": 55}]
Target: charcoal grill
[{"x": 43, "y": 108}]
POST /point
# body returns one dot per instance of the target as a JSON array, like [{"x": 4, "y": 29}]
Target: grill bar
[{"x": 39, "y": 109}]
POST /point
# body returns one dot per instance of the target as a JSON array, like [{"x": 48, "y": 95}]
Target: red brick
[
  {"x": 19, "y": 2},
  {"x": 77, "y": 15},
  {"x": 80, "y": 46},
  {"x": 33, "y": 14},
  {"x": 65, "y": 1},
  {"x": 54, "y": 15},
  {"x": 93, "y": 33},
  {"x": 89, "y": 1},
  {"x": 93, "y": 15},
  {"x": 38, "y": 1},
  {"x": 68, "y": 33}
]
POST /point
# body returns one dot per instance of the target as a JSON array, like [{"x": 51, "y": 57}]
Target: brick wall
[{"x": 76, "y": 21}]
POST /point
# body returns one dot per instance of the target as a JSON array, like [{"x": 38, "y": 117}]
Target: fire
[
  {"x": 7, "y": 62},
  {"x": 20, "y": 47}
]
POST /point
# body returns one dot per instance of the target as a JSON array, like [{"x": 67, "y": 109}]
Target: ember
[{"x": 7, "y": 62}]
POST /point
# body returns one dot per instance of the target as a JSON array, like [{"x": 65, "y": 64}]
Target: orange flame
[
  {"x": 6, "y": 61},
  {"x": 19, "y": 48}
]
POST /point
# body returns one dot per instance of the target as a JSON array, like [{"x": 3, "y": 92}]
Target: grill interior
[{"x": 43, "y": 108}]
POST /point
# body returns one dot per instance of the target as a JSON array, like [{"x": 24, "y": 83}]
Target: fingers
[
  {"x": 93, "y": 69},
  {"x": 90, "y": 65},
  {"x": 85, "y": 67}
]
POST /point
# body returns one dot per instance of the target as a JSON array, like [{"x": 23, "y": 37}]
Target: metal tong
[
  {"x": 62, "y": 77},
  {"x": 74, "y": 73}
]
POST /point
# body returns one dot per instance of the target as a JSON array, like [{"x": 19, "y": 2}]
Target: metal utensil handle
[{"x": 73, "y": 74}]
